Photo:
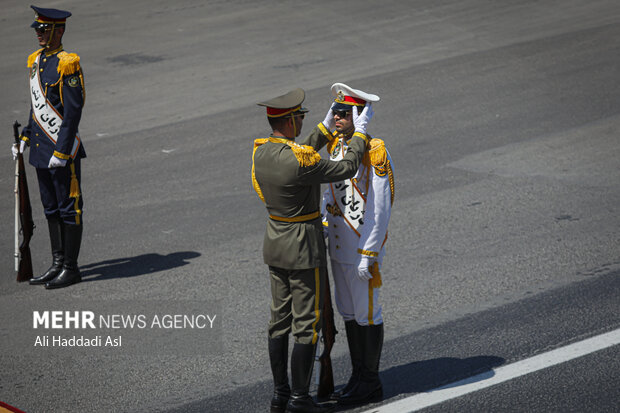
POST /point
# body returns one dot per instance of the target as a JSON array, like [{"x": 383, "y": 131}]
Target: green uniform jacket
[{"x": 288, "y": 178}]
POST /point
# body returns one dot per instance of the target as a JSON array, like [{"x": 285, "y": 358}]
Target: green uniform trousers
[{"x": 297, "y": 303}]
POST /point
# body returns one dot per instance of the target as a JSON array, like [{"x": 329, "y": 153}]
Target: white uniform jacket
[{"x": 356, "y": 212}]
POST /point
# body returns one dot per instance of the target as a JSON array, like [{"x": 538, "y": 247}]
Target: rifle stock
[
  {"x": 326, "y": 375},
  {"x": 24, "y": 270}
]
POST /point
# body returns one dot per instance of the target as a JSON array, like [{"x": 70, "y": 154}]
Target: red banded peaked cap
[
  {"x": 44, "y": 17},
  {"x": 285, "y": 104},
  {"x": 346, "y": 97}
]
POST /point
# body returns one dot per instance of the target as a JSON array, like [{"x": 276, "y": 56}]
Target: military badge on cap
[
  {"x": 347, "y": 97},
  {"x": 285, "y": 104}
]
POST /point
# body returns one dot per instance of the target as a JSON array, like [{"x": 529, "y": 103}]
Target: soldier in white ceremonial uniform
[{"x": 356, "y": 213}]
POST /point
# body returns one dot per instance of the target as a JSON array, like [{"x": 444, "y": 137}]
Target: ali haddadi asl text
[{"x": 74, "y": 341}]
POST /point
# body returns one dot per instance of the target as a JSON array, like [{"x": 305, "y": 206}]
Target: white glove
[
  {"x": 56, "y": 162},
  {"x": 361, "y": 121},
  {"x": 363, "y": 270},
  {"x": 17, "y": 151},
  {"x": 329, "y": 121}
]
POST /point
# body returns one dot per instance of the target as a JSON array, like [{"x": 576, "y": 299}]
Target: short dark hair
[{"x": 278, "y": 123}]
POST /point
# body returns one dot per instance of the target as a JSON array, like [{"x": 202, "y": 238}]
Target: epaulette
[
  {"x": 33, "y": 57},
  {"x": 68, "y": 63},
  {"x": 306, "y": 155},
  {"x": 377, "y": 155},
  {"x": 257, "y": 143}
]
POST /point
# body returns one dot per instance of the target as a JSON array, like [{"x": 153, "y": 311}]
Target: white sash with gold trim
[
  {"x": 46, "y": 116},
  {"x": 347, "y": 195}
]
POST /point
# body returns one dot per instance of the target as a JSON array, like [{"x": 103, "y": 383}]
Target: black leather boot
[
  {"x": 55, "y": 226},
  {"x": 70, "y": 273},
  {"x": 355, "y": 340},
  {"x": 302, "y": 361},
  {"x": 278, "y": 357},
  {"x": 369, "y": 387}
]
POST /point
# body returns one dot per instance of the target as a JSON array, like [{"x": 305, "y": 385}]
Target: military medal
[{"x": 33, "y": 70}]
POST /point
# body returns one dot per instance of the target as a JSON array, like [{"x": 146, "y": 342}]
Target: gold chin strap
[
  {"x": 47, "y": 46},
  {"x": 294, "y": 126}
]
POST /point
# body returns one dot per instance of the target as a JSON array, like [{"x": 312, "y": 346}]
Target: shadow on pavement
[
  {"x": 415, "y": 377},
  {"x": 134, "y": 266},
  {"x": 421, "y": 376}
]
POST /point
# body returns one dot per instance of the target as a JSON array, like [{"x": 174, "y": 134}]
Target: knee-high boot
[
  {"x": 302, "y": 361},
  {"x": 55, "y": 226},
  {"x": 278, "y": 357},
  {"x": 70, "y": 273},
  {"x": 355, "y": 340},
  {"x": 369, "y": 387}
]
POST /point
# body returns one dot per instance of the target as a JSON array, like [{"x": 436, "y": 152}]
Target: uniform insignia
[
  {"x": 33, "y": 70},
  {"x": 340, "y": 95},
  {"x": 73, "y": 81},
  {"x": 334, "y": 210},
  {"x": 337, "y": 149}
]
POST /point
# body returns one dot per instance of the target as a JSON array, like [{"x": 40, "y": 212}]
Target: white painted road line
[{"x": 501, "y": 374}]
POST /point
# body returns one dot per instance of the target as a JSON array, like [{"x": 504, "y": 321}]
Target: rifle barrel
[{"x": 17, "y": 255}]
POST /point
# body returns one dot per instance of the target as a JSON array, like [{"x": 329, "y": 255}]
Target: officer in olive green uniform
[{"x": 287, "y": 176}]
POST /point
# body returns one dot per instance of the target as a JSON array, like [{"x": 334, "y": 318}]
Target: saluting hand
[
  {"x": 361, "y": 121},
  {"x": 329, "y": 122}
]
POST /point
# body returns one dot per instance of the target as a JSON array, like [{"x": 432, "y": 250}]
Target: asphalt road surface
[{"x": 502, "y": 120}]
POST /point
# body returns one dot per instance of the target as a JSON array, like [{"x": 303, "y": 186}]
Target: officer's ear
[{"x": 60, "y": 31}]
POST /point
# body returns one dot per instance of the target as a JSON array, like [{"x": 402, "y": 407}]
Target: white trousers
[{"x": 355, "y": 299}]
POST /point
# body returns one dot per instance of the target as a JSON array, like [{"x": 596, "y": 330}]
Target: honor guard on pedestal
[
  {"x": 357, "y": 212},
  {"x": 287, "y": 176},
  {"x": 57, "y": 97}
]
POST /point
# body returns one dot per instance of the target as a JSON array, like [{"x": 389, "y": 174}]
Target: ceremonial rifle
[
  {"x": 328, "y": 337},
  {"x": 23, "y": 216}
]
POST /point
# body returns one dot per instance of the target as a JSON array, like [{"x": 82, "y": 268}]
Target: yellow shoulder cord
[
  {"x": 83, "y": 87},
  {"x": 391, "y": 177},
  {"x": 305, "y": 154},
  {"x": 257, "y": 143}
]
